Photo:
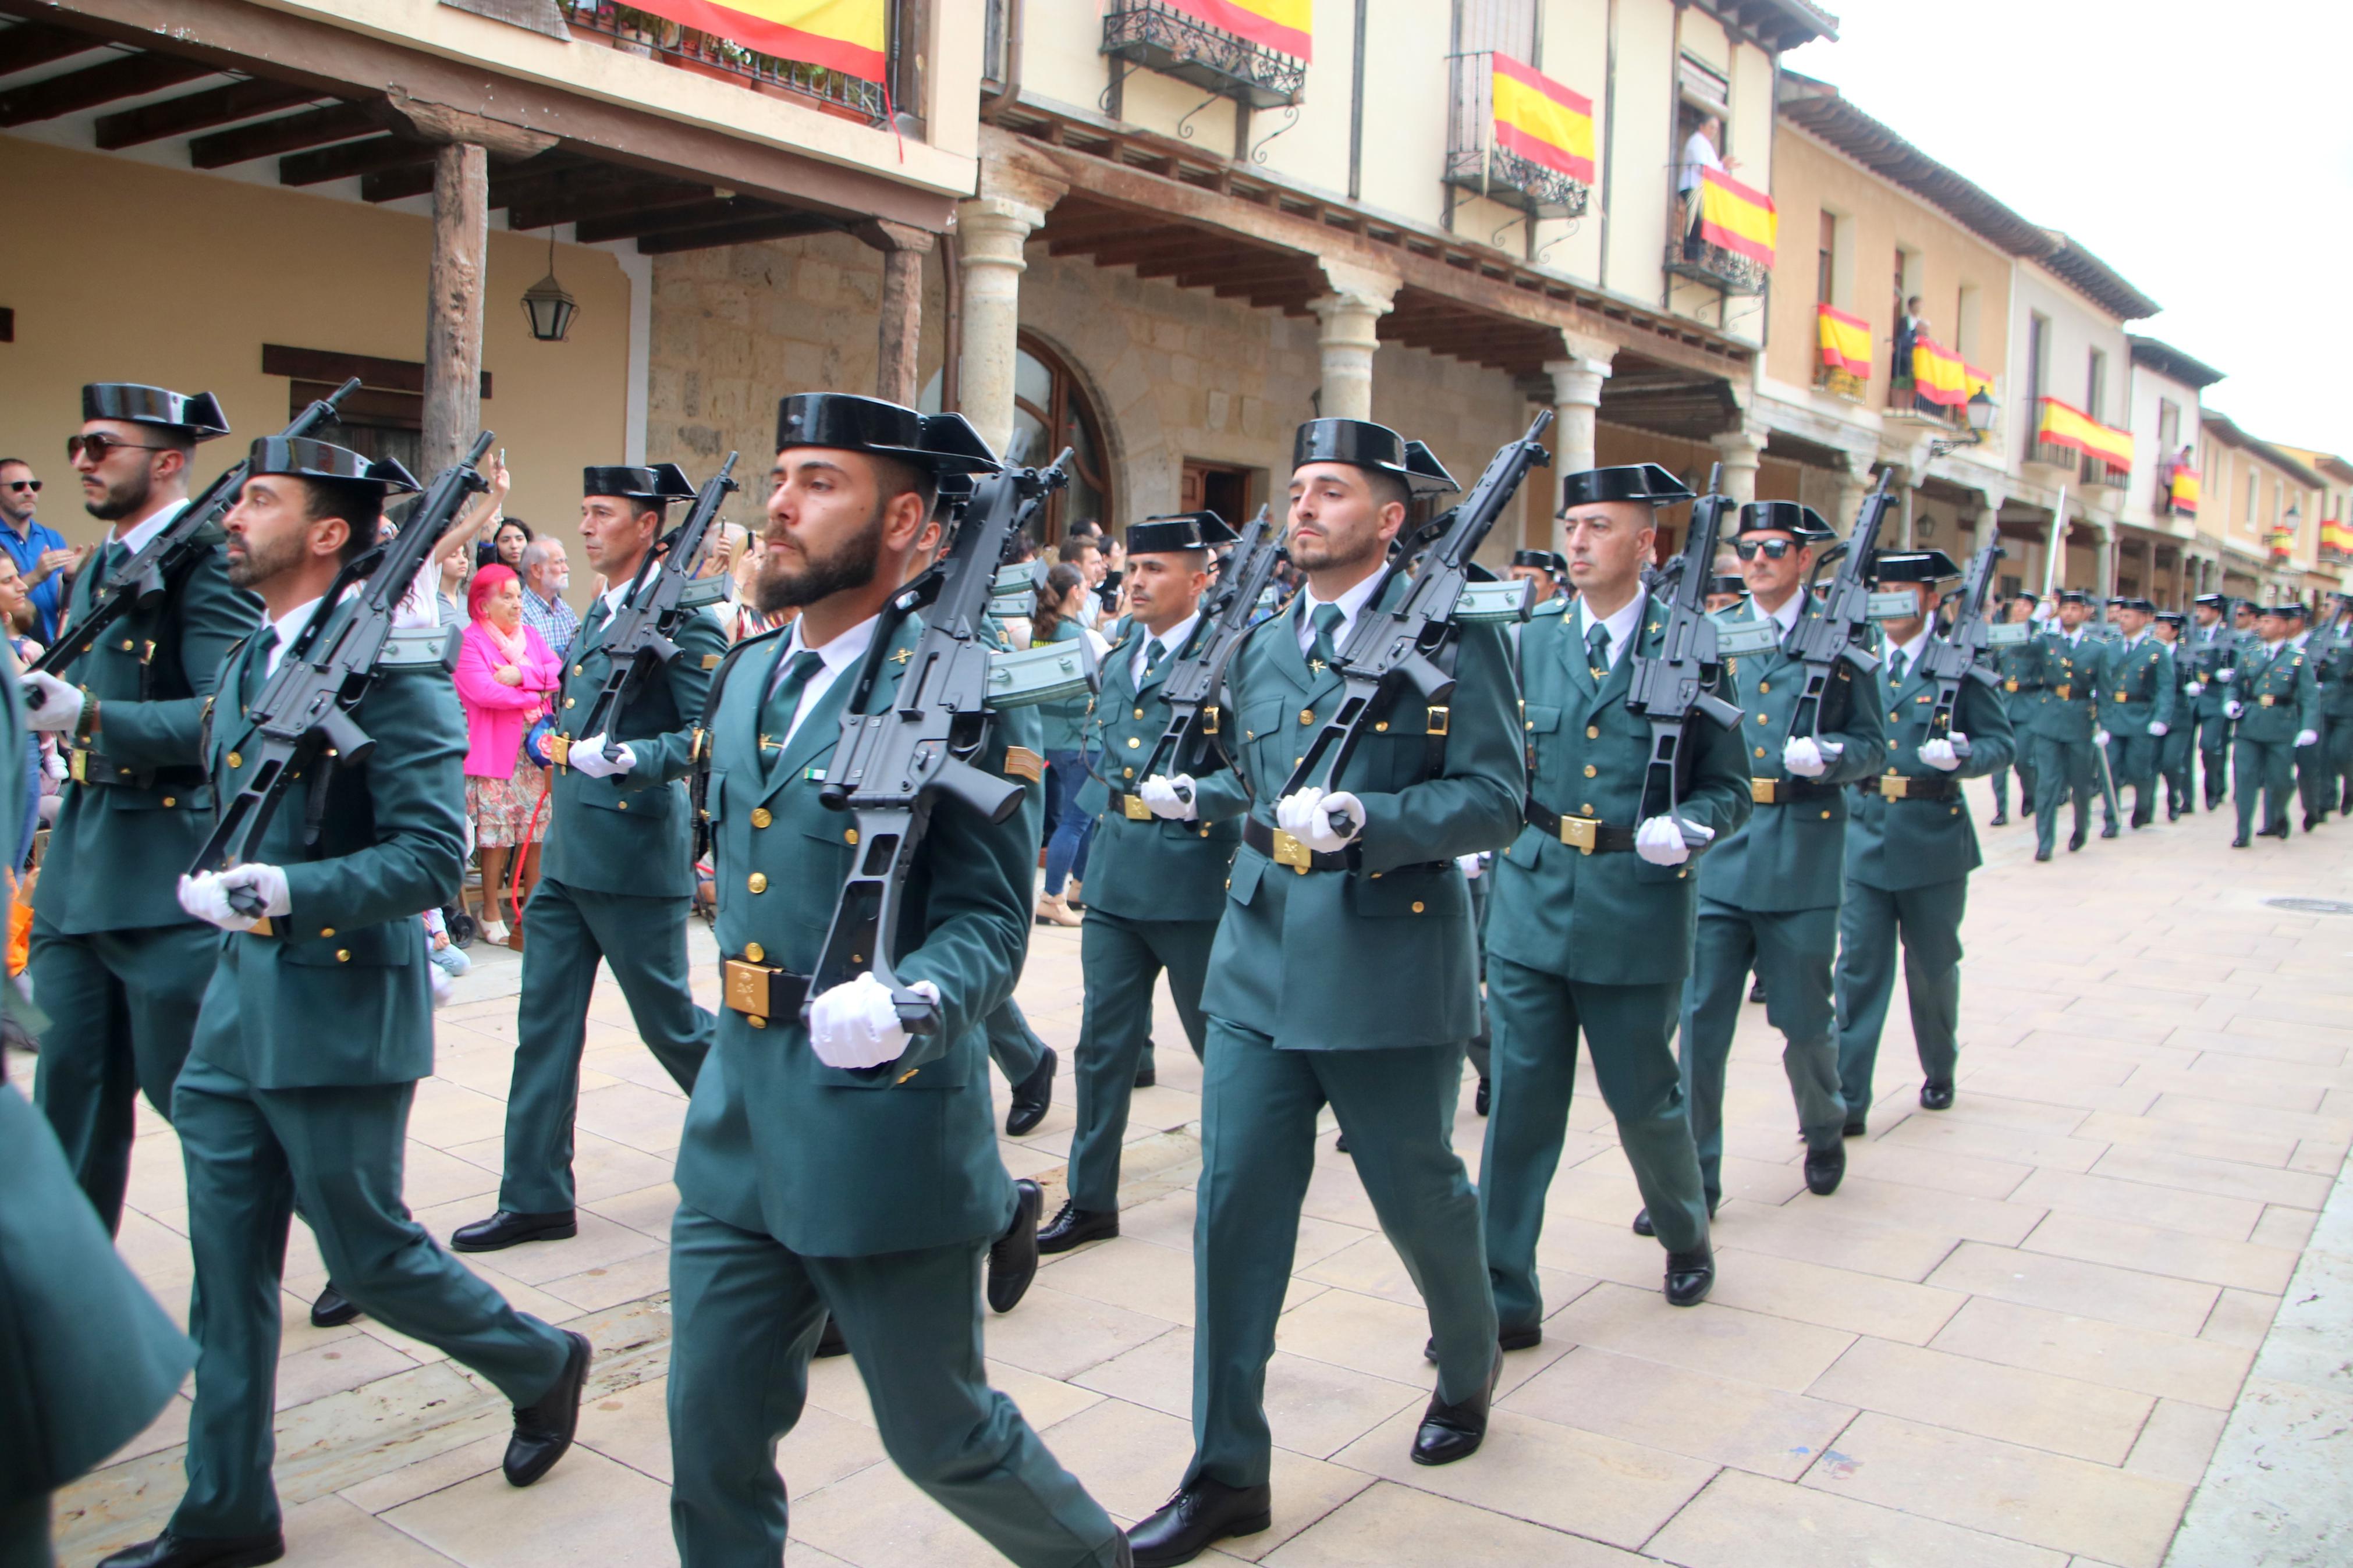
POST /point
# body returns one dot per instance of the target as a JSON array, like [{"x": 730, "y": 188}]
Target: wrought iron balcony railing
[
  {"x": 1842, "y": 384},
  {"x": 1476, "y": 160},
  {"x": 1150, "y": 34},
  {"x": 1701, "y": 262},
  {"x": 2055, "y": 457},
  {"x": 638, "y": 32},
  {"x": 2100, "y": 471}
]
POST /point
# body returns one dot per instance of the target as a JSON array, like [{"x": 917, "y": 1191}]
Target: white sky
[{"x": 2204, "y": 151}]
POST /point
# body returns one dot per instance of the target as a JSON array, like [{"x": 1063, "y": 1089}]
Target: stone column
[
  {"x": 1576, "y": 403},
  {"x": 900, "y": 334},
  {"x": 1360, "y": 296},
  {"x": 2104, "y": 573},
  {"x": 1740, "y": 450},
  {"x": 1855, "y": 488},
  {"x": 1988, "y": 529},
  {"x": 990, "y": 232},
  {"x": 453, "y": 302}
]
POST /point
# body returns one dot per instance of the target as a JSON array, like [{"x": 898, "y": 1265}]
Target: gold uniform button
[
  {"x": 756, "y": 1020},
  {"x": 170, "y": 801},
  {"x": 1593, "y": 731},
  {"x": 1764, "y": 685},
  {"x": 127, "y": 645},
  {"x": 753, "y": 952},
  {"x": 567, "y": 702},
  {"x": 235, "y": 761},
  {"x": 326, "y": 931},
  {"x": 1128, "y": 773},
  {"x": 1760, "y": 751},
  {"x": 1134, "y": 742},
  {"x": 758, "y": 881},
  {"x": 342, "y": 955},
  {"x": 1529, "y": 725},
  {"x": 1139, "y": 713},
  {"x": 1585, "y": 810},
  {"x": 761, "y": 817},
  {"x": 1590, "y": 770},
  {"x": 1826, "y": 816},
  {"x": 1896, "y": 717},
  {"x": 1381, "y": 728},
  {"x": 1307, "y": 715},
  {"x": 620, "y": 805},
  {"x": 1417, "y": 906},
  {"x": 849, "y": 836},
  {"x": 1764, "y": 719}
]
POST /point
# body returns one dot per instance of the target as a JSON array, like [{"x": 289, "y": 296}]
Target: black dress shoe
[
  {"x": 1340, "y": 1144},
  {"x": 543, "y": 1429},
  {"x": 2076, "y": 839},
  {"x": 2280, "y": 833},
  {"x": 1032, "y": 1097},
  {"x": 2111, "y": 831},
  {"x": 1451, "y": 1432},
  {"x": 506, "y": 1229},
  {"x": 170, "y": 1551},
  {"x": 1485, "y": 1097},
  {"x": 1013, "y": 1257},
  {"x": 1825, "y": 1169},
  {"x": 1642, "y": 1218},
  {"x": 1074, "y": 1227},
  {"x": 2241, "y": 842},
  {"x": 2310, "y": 822},
  {"x": 2042, "y": 852},
  {"x": 1202, "y": 1513},
  {"x": 332, "y": 1309},
  {"x": 1689, "y": 1276},
  {"x": 1757, "y": 989},
  {"x": 2001, "y": 819},
  {"x": 1857, "y": 1127},
  {"x": 1935, "y": 1097},
  {"x": 1145, "y": 1076}
]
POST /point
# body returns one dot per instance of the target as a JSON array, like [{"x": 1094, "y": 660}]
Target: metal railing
[
  {"x": 2055, "y": 457},
  {"x": 1477, "y": 161},
  {"x": 1701, "y": 262},
  {"x": 1841, "y": 383},
  {"x": 690, "y": 48},
  {"x": 2100, "y": 471},
  {"x": 1150, "y": 34}
]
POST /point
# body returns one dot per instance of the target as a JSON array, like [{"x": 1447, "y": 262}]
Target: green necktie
[
  {"x": 776, "y": 713},
  {"x": 1895, "y": 668},
  {"x": 1152, "y": 656},
  {"x": 1327, "y": 623},
  {"x": 1597, "y": 651}
]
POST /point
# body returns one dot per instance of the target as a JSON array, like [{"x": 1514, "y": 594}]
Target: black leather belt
[
  {"x": 1590, "y": 835},
  {"x": 1902, "y": 786},
  {"x": 1782, "y": 792},
  {"x": 1285, "y": 849},
  {"x": 761, "y": 992}
]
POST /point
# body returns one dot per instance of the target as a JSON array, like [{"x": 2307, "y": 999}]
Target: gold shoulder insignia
[
  {"x": 1021, "y": 763},
  {"x": 711, "y": 661}
]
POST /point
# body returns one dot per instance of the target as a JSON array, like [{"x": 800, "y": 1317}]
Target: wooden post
[
  {"x": 900, "y": 335},
  {"x": 453, "y": 304}
]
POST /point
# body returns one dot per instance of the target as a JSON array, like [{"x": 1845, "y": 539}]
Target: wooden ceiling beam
[
  {"x": 289, "y": 133},
  {"x": 621, "y": 198},
  {"x": 341, "y": 163},
  {"x": 198, "y": 111},
  {"x": 126, "y": 76},
  {"x": 398, "y": 184},
  {"x": 782, "y": 225},
  {"x": 29, "y": 45},
  {"x": 646, "y": 220}
]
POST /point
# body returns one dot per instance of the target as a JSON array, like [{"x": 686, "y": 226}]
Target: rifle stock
[
  {"x": 1666, "y": 689},
  {"x": 1230, "y": 608},
  {"x": 1821, "y": 640},
  {"x": 1960, "y": 653}
]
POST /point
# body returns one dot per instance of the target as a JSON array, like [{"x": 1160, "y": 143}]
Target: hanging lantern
[{"x": 548, "y": 307}]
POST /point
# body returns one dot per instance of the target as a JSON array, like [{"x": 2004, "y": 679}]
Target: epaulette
[
  {"x": 1555, "y": 605},
  {"x": 420, "y": 647},
  {"x": 703, "y": 592}
]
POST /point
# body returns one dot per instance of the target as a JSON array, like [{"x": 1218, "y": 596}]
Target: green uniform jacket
[
  {"x": 1066, "y": 721},
  {"x": 1298, "y": 967},
  {"x": 2281, "y": 694},
  {"x": 597, "y": 834},
  {"x": 122, "y": 839},
  {"x": 2065, "y": 680},
  {"x": 2335, "y": 673},
  {"x": 337, "y": 995},
  {"x": 2136, "y": 687},
  {"x": 1147, "y": 869},
  {"x": 1611, "y": 919},
  {"x": 834, "y": 1163},
  {"x": 2016, "y": 665},
  {"x": 2206, "y": 654},
  {"x": 1899, "y": 844},
  {"x": 1786, "y": 857}
]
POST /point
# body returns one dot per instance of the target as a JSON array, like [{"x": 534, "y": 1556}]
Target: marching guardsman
[
  {"x": 1364, "y": 875},
  {"x": 1156, "y": 887},
  {"x": 2014, "y": 665},
  {"x": 2276, "y": 704},
  {"x": 2210, "y": 655},
  {"x": 616, "y": 875},
  {"x": 2175, "y": 752},
  {"x": 1768, "y": 893},
  {"x": 840, "y": 1164},
  {"x": 1909, "y": 851},
  {"x": 2333, "y": 648},
  {"x": 120, "y": 967},
  {"x": 2137, "y": 707},
  {"x": 1594, "y": 905},
  {"x": 316, "y": 1026},
  {"x": 2063, "y": 683},
  {"x": 1547, "y": 569},
  {"x": 2312, "y": 755}
]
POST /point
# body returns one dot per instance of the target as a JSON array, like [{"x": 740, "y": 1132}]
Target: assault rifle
[
  {"x": 639, "y": 642},
  {"x": 1666, "y": 688},
  {"x": 304, "y": 717},
  {"x": 1230, "y": 608},
  {"x": 890, "y": 768},
  {"x": 139, "y": 582},
  {"x": 1819, "y": 641},
  {"x": 1389, "y": 650},
  {"x": 1960, "y": 653}
]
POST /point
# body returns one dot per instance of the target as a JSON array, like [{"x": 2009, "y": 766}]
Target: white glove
[
  {"x": 206, "y": 900},
  {"x": 2307, "y": 737},
  {"x": 855, "y": 1024},
  {"x": 2226, "y": 674},
  {"x": 1661, "y": 842},
  {"x": 50, "y": 703},
  {"x": 1324, "y": 822},
  {"x": 2233, "y": 708},
  {"x": 1471, "y": 865},
  {"x": 1940, "y": 754},
  {"x": 2100, "y": 739},
  {"x": 215, "y": 895},
  {"x": 1169, "y": 798},
  {"x": 587, "y": 757},
  {"x": 2194, "y": 689},
  {"x": 1809, "y": 758},
  {"x": 2159, "y": 727}
]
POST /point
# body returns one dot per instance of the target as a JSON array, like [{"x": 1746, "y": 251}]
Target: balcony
[
  {"x": 2050, "y": 455},
  {"x": 1730, "y": 245},
  {"x": 1712, "y": 265},
  {"x": 1484, "y": 147},
  {"x": 635, "y": 32},
  {"x": 1158, "y": 36},
  {"x": 1843, "y": 384},
  {"x": 2100, "y": 471}
]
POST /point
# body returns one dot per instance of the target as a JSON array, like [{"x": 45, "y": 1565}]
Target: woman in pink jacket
[{"x": 505, "y": 677}]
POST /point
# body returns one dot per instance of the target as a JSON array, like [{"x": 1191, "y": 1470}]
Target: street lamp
[
  {"x": 548, "y": 307},
  {"x": 1980, "y": 410}
]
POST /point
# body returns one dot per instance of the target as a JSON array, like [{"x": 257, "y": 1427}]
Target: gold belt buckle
[
  {"x": 1289, "y": 851},
  {"x": 1761, "y": 790},
  {"x": 747, "y": 989},
  {"x": 1438, "y": 719},
  {"x": 1579, "y": 833},
  {"x": 1895, "y": 786},
  {"x": 2009, "y": 686},
  {"x": 2264, "y": 701},
  {"x": 2121, "y": 697},
  {"x": 79, "y": 769},
  {"x": 2062, "y": 692},
  {"x": 262, "y": 928},
  {"x": 559, "y": 749},
  {"x": 1137, "y": 811}
]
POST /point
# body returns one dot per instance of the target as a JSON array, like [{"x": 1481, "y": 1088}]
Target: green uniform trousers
[
  {"x": 1013, "y": 1045},
  {"x": 2214, "y": 753},
  {"x": 1791, "y": 952},
  {"x": 1630, "y": 1030},
  {"x": 25, "y": 1533},
  {"x": 571, "y": 928},
  {"x": 2132, "y": 764},
  {"x": 746, "y": 1311},
  {"x": 1927, "y": 921},
  {"x": 2266, "y": 768},
  {"x": 1122, "y": 960},
  {"x": 2176, "y": 755},
  {"x": 2338, "y": 738},
  {"x": 2022, "y": 762},
  {"x": 122, "y": 1008},
  {"x": 2062, "y": 768},
  {"x": 1258, "y": 1149},
  {"x": 2314, "y": 782},
  {"x": 251, "y": 1155},
  {"x": 1483, "y": 1044}
]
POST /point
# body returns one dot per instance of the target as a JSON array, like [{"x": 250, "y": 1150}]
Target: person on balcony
[{"x": 1700, "y": 154}]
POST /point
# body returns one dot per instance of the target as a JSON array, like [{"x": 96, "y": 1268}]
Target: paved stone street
[{"x": 2012, "y": 1339}]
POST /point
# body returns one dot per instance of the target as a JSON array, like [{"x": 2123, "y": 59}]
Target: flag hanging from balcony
[
  {"x": 1735, "y": 218},
  {"x": 2184, "y": 491},
  {"x": 1542, "y": 121},
  {"x": 2282, "y": 544},
  {"x": 1286, "y": 27},
  {"x": 853, "y": 36},
  {"x": 2336, "y": 534},
  {"x": 1975, "y": 381},
  {"x": 2064, "y": 426},
  {"x": 1846, "y": 340},
  {"x": 1939, "y": 376}
]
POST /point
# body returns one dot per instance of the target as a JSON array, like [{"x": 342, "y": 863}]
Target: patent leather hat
[
  {"x": 1800, "y": 521},
  {"x": 305, "y": 458},
  {"x": 199, "y": 416},
  {"x": 1175, "y": 531},
  {"x": 655, "y": 485},
  {"x": 1362, "y": 444},
  {"x": 1646, "y": 482},
  {"x": 936, "y": 443}
]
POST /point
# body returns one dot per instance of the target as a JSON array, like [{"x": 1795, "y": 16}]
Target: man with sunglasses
[
  {"x": 42, "y": 555},
  {"x": 1769, "y": 891},
  {"x": 120, "y": 967}
]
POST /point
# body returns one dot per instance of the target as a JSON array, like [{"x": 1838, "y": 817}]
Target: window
[
  {"x": 2168, "y": 429},
  {"x": 2096, "y": 384},
  {"x": 1048, "y": 397},
  {"x": 1826, "y": 261},
  {"x": 2037, "y": 374},
  {"x": 1964, "y": 322},
  {"x": 2254, "y": 498},
  {"x": 1509, "y": 26}
]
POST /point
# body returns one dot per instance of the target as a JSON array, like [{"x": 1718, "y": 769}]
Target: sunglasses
[
  {"x": 98, "y": 443},
  {"x": 32, "y": 485},
  {"x": 1771, "y": 549}
]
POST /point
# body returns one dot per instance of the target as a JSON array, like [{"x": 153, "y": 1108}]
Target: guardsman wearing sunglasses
[
  {"x": 2064, "y": 718},
  {"x": 2013, "y": 664},
  {"x": 2139, "y": 710},
  {"x": 617, "y": 875},
  {"x": 1768, "y": 893},
  {"x": 121, "y": 968},
  {"x": 1910, "y": 848}
]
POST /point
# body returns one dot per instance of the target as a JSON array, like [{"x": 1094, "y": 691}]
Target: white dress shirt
[
  {"x": 288, "y": 626},
  {"x": 842, "y": 652},
  {"x": 136, "y": 540},
  {"x": 1912, "y": 651},
  {"x": 1172, "y": 640},
  {"x": 1786, "y": 617},
  {"x": 1619, "y": 626},
  {"x": 1350, "y": 603}
]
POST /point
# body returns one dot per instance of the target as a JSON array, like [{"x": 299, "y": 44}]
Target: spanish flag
[
  {"x": 1975, "y": 381},
  {"x": 1542, "y": 121},
  {"x": 1286, "y": 27},
  {"x": 2064, "y": 426},
  {"x": 2336, "y": 534},
  {"x": 2282, "y": 544},
  {"x": 1846, "y": 340},
  {"x": 1939, "y": 376},
  {"x": 2184, "y": 492},
  {"x": 853, "y": 36},
  {"x": 1735, "y": 218}
]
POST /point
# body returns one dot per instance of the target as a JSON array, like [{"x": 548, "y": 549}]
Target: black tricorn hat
[
  {"x": 1726, "y": 583},
  {"x": 2145, "y": 607},
  {"x": 1365, "y": 445},
  {"x": 657, "y": 485},
  {"x": 309, "y": 459},
  {"x": 1914, "y": 566},
  {"x": 1177, "y": 530},
  {"x": 2073, "y": 596},
  {"x": 2174, "y": 618},
  {"x": 198, "y": 417},
  {"x": 1542, "y": 560},
  {"x": 2028, "y": 595},
  {"x": 936, "y": 443},
  {"x": 2220, "y": 601},
  {"x": 2288, "y": 607},
  {"x": 1800, "y": 521},
  {"x": 1630, "y": 481}
]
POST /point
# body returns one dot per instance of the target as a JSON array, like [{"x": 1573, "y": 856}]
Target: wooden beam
[
  {"x": 684, "y": 215},
  {"x": 398, "y": 184},
  {"x": 783, "y": 226},
  {"x": 197, "y": 111},
  {"x": 126, "y": 76},
  {"x": 30, "y": 43},
  {"x": 455, "y": 277},
  {"x": 623, "y": 193},
  {"x": 289, "y": 133},
  {"x": 341, "y": 163}
]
